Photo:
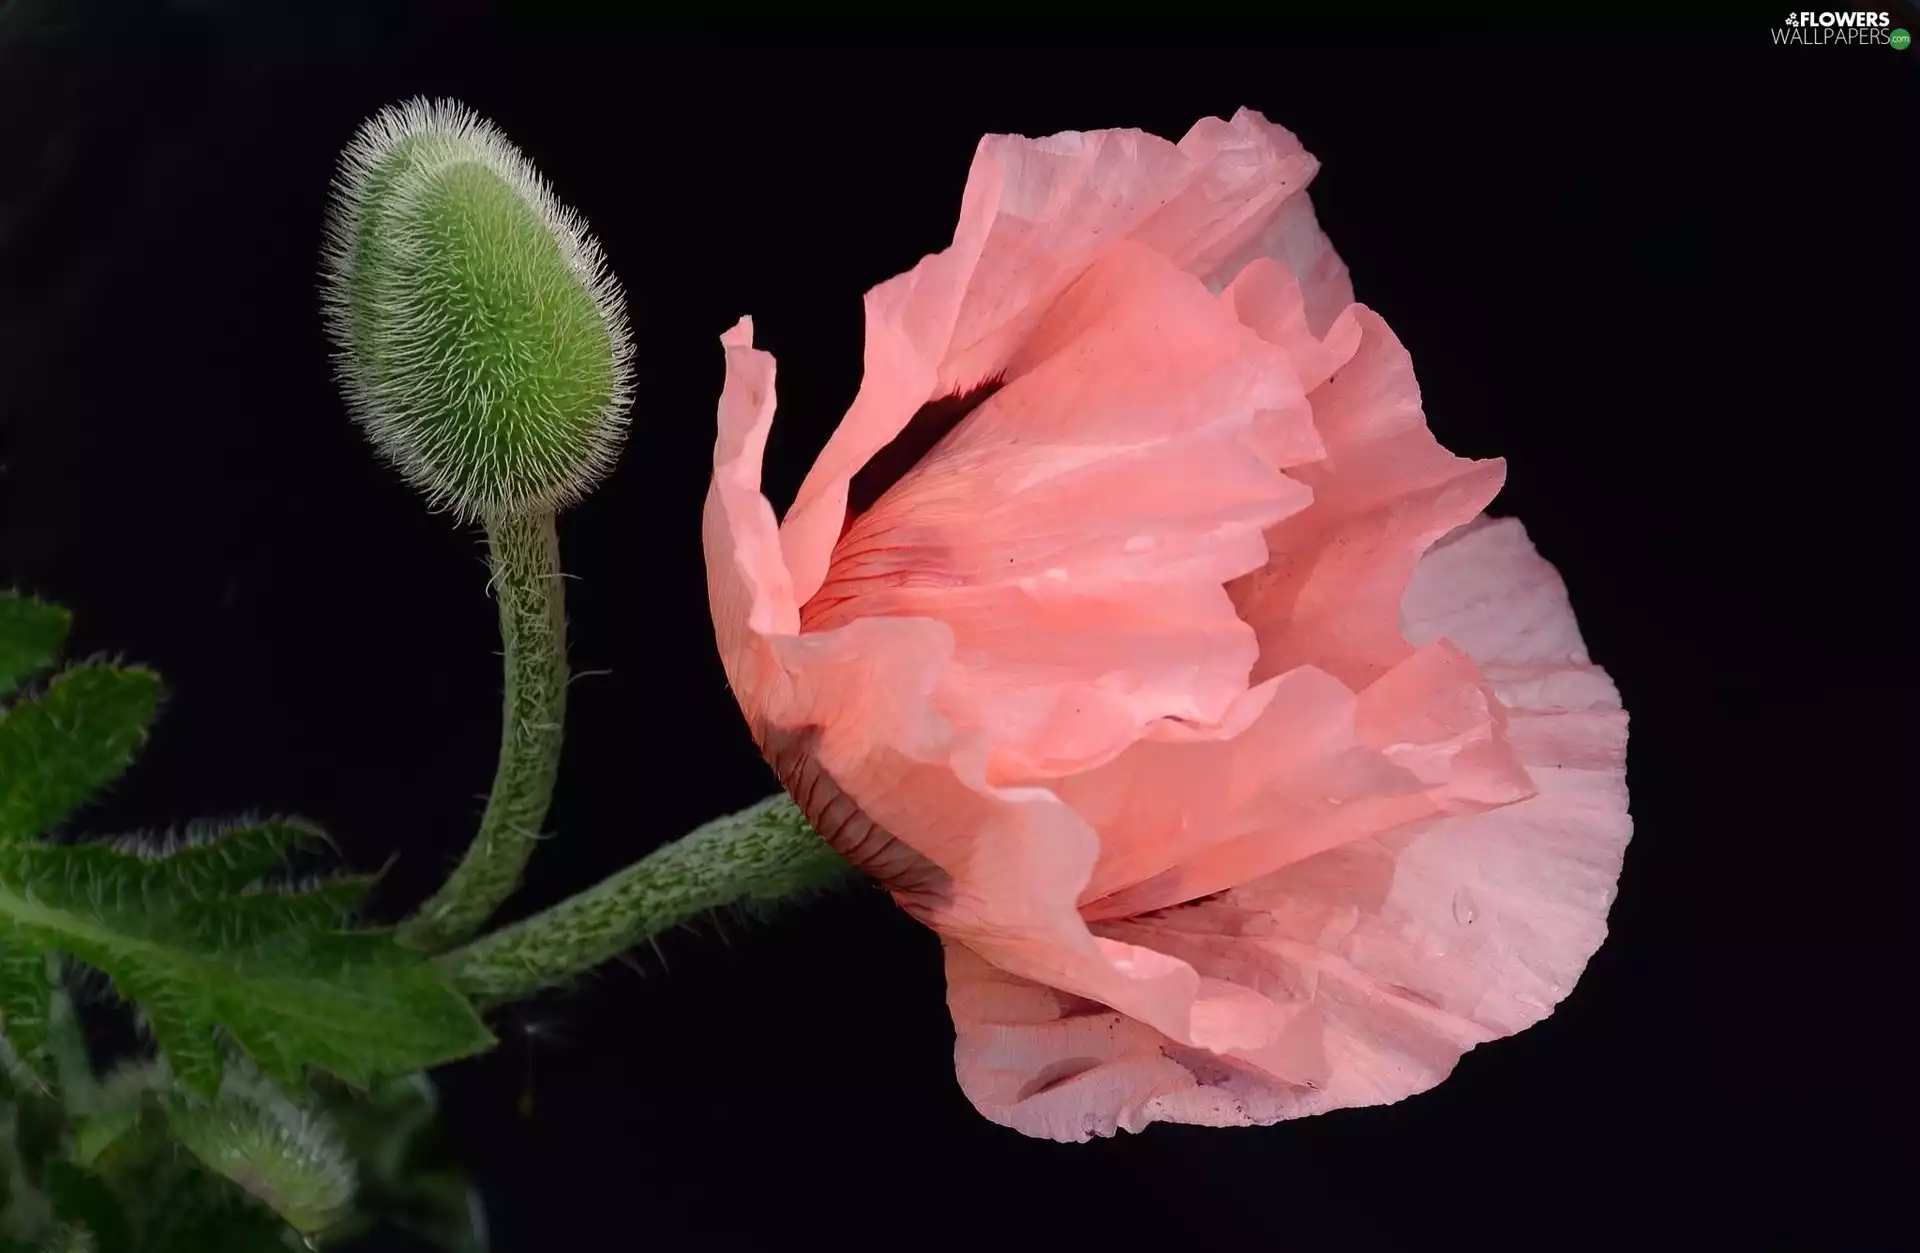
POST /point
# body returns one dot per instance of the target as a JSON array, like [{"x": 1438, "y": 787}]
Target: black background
[{"x": 1668, "y": 274}]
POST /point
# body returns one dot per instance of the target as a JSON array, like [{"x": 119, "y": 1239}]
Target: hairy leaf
[
  {"x": 173, "y": 1204},
  {"x": 276, "y": 969},
  {"x": 190, "y": 933},
  {"x": 60, "y": 748},
  {"x": 288, "y": 1156},
  {"x": 233, "y": 858},
  {"x": 85, "y": 1203},
  {"x": 26, "y": 996},
  {"x": 410, "y": 1175},
  {"x": 31, "y": 634}
]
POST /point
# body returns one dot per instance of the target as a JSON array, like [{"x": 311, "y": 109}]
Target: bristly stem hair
[
  {"x": 525, "y": 556},
  {"x": 762, "y": 856}
]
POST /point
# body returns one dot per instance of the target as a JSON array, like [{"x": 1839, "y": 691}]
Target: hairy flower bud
[
  {"x": 294, "y": 1160},
  {"x": 482, "y": 339}
]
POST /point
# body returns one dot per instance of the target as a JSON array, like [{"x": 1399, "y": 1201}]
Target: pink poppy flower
[{"x": 1133, "y": 629}]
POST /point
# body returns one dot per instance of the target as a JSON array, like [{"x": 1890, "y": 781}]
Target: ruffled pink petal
[
  {"x": 748, "y": 586},
  {"x": 847, "y": 718},
  {"x": 1268, "y": 297},
  {"x": 1320, "y": 767},
  {"x": 1248, "y": 206},
  {"x": 1362, "y": 734},
  {"x": 1011, "y": 861},
  {"x": 1035, "y": 215},
  {"x": 1329, "y": 595},
  {"x": 1076, "y": 533},
  {"x": 1388, "y": 958}
]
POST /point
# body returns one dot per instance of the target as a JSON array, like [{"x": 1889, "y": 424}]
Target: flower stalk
[
  {"x": 761, "y": 856},
  {"x": 524, "y": 552}
]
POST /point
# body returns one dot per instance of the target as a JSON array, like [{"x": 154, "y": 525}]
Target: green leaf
[
  {"x": 26, "y": 997},
  {"x": 69, "y": 1238},
  {"x": 95, "y": 1135},
  {"x": 31, "y": 634},
  {"x": 59, "y": 749},
  {"x": 256, "y": 918},
  {"x": 188, "y": 933},
  {"x": 289, "y": 1157},
  {"x": 233, "y": 858},
  {"x": 23, "y": 1210},
  {"x": 276, "y": 970},
  {"x": 83, "y": 1200},
  {"x": 36, "y": 1133},
  {"x": 409, "y": 1174},
  {"x": 176, "y": 1205}
]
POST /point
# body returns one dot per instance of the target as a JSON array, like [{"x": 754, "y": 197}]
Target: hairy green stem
[
  {"x": 762, "y": 855},
  {"x": 525, "y": 556}
]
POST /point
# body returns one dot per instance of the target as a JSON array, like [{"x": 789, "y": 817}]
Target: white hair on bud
[
  {"x": 278, "y": 1150},
  {"x": 445, "y": 133}
]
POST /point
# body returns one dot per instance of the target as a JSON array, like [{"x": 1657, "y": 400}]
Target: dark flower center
[{"x": 933, "y": 422}]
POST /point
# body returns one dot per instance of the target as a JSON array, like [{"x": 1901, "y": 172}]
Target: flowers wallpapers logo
[{"x": 1856, "y": 26}]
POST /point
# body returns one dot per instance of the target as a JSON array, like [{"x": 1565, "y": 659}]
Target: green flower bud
[
  {"x": 292, "y": 1159},
  {"x": 482, "y": 339}
]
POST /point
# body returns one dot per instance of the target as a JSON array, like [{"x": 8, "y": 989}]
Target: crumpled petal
[
  {"x": 847, "y": 719},
  {"x": 1357, "y": 733},
  {"x": 1035, "y": 215},
  {"x": 1329, "y": 595},
  {"x": 912, "y": 759},
  {"x": 1393, "y": 956},
  {"x": 1320, "y": 767},
  {"x": 1077, "y": 532}
]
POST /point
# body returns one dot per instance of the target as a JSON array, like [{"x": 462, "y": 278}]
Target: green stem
[
  {"x": 761, "y": 855},
  {"x": 525, "y": 557}
]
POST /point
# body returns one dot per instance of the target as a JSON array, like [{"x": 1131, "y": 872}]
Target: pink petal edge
[{"x": 1396, "y": 955}]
